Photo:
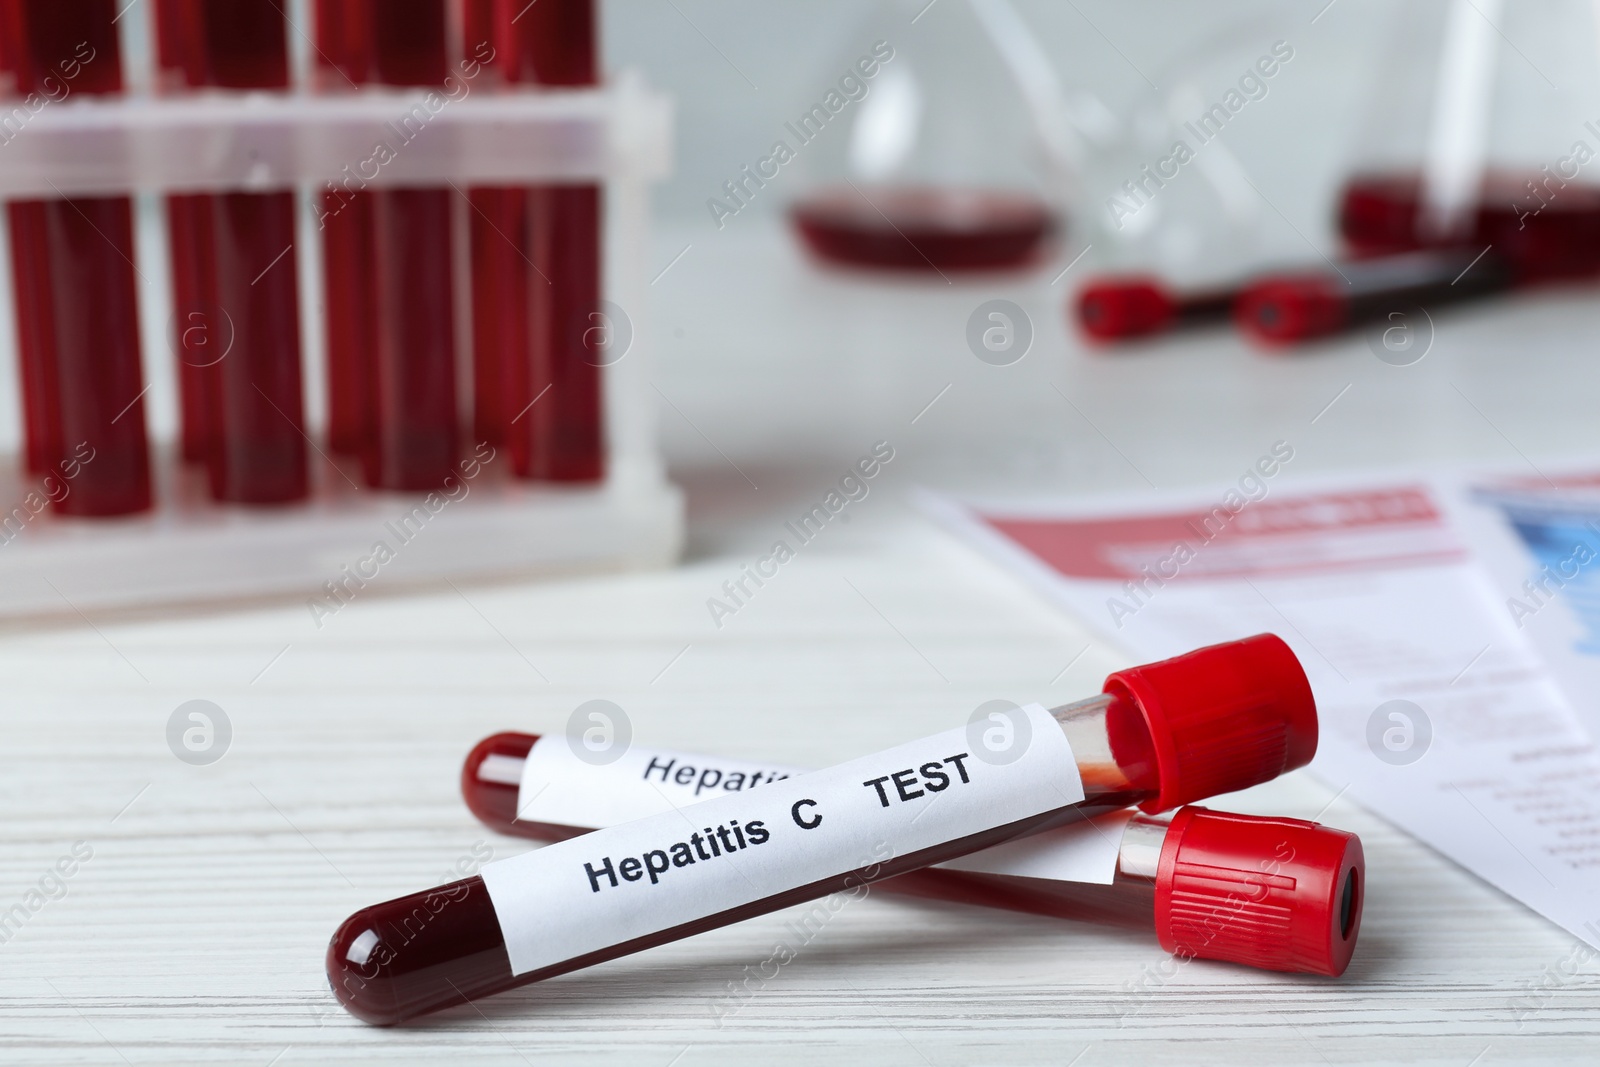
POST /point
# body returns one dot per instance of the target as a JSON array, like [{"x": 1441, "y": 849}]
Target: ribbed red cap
[
  {"x": 1278, "y": 894},
  {"x": 1222, "y": 718},
  {"x": 1292, "y": 308},
  {"x": 1114, "y": 308}
]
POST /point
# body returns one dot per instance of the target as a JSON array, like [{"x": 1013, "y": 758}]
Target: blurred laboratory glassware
[
  {"x": 1484, "y": 135},
  {"x": 953, "y": 150},
  {"x": 1166, "y": 188}
]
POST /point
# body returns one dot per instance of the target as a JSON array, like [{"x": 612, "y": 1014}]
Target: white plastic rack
[{"x": 189, "y": 549}]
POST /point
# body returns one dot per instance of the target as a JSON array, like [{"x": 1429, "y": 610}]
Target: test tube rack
[{"x": 189, "y": 549}]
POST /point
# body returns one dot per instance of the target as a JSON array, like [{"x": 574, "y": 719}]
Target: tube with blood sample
[
  {"x": 1280, "y": 894},
  {"x": 73, "y": 280},
  {"x": 344, "y": 62},
  {"x": 388, "y": 266},
  {"x": 543, "y": 339},
  {"x": 1162, "y": 735},
  {"x": 235, "y": 273},
  {"x": 413, "y": 435},
  {"x": 1292, "y": 307},
  {"x": 498, "y": 243},
  {"x": 500, "y": 302},
  {"x": 1124, "y": 307},
  {"x": 1286, "y": 307}
]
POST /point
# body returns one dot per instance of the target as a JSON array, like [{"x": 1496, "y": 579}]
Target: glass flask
[
  {"x": 1187, "y": 182},
  {"x": 937, "y": 141},
  {"x": 1482, "y": 131}
]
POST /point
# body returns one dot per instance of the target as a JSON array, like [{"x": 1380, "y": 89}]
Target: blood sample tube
[
  {"x": 497, "y": 238},
  {"x": 1161, "y": 735},
  {"x": 389, "y": 252},
  {"x": 1289, "y": 308},
  {"x": 1273, "y": 893},
  {"x": 500, "y": 304},
  {"x": 1280, "y": 894},
  {"x": 344, "y": 61},
  {"x": 1121, "y": 308},
  {"x": 235, "y": 273},
  {"x": 198, "y": 338},
  {"x": 73, "y": 280},
  {"x": 555, "y": 420}
]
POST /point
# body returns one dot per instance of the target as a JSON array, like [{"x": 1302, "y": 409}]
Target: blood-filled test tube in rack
[
  {"x": 388, "y": 266},
  {"x": 73, "y": 278},
  {"x": 1160, "y": 736},
  {"x": 344, "y": 62},
  {"x": 236, "y": 313},
  {"x": 1280, "y": 894},
  {"x": 542, "y": 327}
]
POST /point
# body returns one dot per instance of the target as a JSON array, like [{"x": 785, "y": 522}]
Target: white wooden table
[{"x": 195, "y": 933}]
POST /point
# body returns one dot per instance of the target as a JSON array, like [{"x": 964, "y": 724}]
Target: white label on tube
[
  {"x": 579, "y": 896},
  {"x": 1078, "y": 852},
  {"x": 561, "y": 788}
]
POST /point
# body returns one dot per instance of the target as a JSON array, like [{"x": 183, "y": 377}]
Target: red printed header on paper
[{"x": 1281, "y": 537}]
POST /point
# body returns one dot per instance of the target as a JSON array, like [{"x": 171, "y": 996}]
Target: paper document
[
  {"x": 1540, "y": 543},
  {"x": 1435, "y": 711}
]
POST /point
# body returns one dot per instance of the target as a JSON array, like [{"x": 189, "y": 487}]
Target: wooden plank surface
[{"x": 195, "y": 931}]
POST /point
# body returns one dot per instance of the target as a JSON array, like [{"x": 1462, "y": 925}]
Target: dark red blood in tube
[
  {"x": 235, "y": 274},
  {"x": 555, "y": 405},
  {"x": 413, "y": 440},
  {"x": 30, "y": 277},
  {"x": 409, "y": 46},
  {"x": 389, "y": 281},
  {"x": 558, "y": 45},
  {"x": 180, "y": 37},
  {"x": 74, "y": 287},
  {"x": 181, "y": 62},
  {"x": 1321, "y": 921},
  {"x": 1160, "y": 736},
  {"x": 73, "y": 43},
  {"x": 246, "y": 43},
  {"x": 344, "y": 61},
  {"x": 500, "y": 305},
  {"x": 351, "y": 314},
  {"x": 260, "y": 456},
  {"x": 179, "y": 50},
  {"x": 561, "y": 438},
  {"x": 499, "y": 261},
  {"x": 344, "y": 43},
  {"x": 924, "y": 229},
  {"x": 477, "y": 31},
  {"x": 85, "y": 346},
  {"x": 459, "y": 954},
  {"x": 198, "y": 339}
]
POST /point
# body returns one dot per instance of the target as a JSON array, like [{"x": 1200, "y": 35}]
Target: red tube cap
[
  {"x": 1115, "y": 308},
  {"x": 1278, "y": 894},
  {"x": 1222, "y": 718},
  {"x": 1292, "y": 308}
]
